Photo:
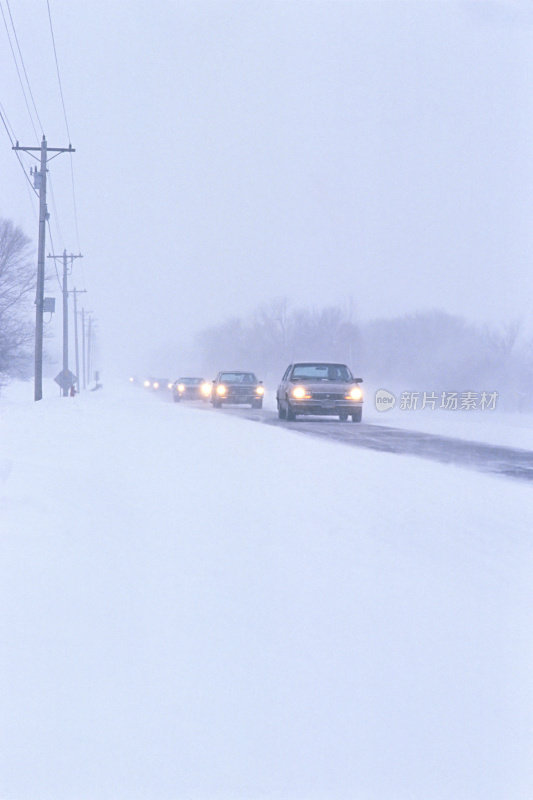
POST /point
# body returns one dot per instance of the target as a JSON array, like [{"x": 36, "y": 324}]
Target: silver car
[{"x": 318, "y": 387}]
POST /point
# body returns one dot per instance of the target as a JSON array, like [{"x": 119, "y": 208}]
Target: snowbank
[
  {"x": 196, "y": 606},
  {"x": 492, "y": 427}
]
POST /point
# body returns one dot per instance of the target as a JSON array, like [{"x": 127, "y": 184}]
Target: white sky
[{"x": 232, "y": 152}]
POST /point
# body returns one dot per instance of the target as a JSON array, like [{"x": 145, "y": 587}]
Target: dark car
[
  {"x": 237, "y": 388},
  {"x": 155, "y": 383},
  {"x": 317, "y": 387},
  {"x": 191, "y": 389}
]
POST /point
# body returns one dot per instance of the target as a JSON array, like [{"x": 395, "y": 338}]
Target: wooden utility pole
[
  {"x": 39, "y": 179},
  {"x": 76, "y": 292},
  {"x": 83, "y": 348},
  {"x": 64, "y": 257},
  {"x": 89, "y": 347}
]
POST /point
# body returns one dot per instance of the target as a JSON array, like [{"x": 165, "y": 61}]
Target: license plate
[{"x": 328, "y": 404}]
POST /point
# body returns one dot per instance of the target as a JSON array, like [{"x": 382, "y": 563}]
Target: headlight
[
  {"x": 300, "y": 393},
  {"x": 147, "y": 384},
  {"x": 221, "y": 389},
  {"x": 156, "y": 385},
  {"x": 131, "y": 380},
  {"x": 260, "y": 389},
  {"x": 181, "y": 387},
  {"x": 355, "y": 394},
  {"x": 170, "y": 385},
  {"x": 205, "y": 389}
]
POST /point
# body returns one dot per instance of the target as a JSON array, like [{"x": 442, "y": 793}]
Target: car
[
  {"x": 157, "y": 384},
  {"x": 320, "y": 388},
  {"x": 191, "y": 389},
  {"x": 237, "y": 387}
]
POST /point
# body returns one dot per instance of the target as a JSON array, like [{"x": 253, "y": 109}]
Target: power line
[
  {"x": 54, "y": 207},
  {"x": 12, "y": 138},
  {"x": 23, "y": 65},
  {"x": 57, "y": 68},
  {"x": 40, "y": 185},
  {"x": 8, "y": 126},
  {"x": 11, "y": 134},
  {"x": 32, "y": 187},
  {"x": 18, "y": 72},
  {"x": 74, "y": 203},
  {"x": 53, "y": 248},
  {"x": 34, "y": 210}
]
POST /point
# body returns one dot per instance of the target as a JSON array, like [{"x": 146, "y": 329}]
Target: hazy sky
[{"x": 232, "y": 152}]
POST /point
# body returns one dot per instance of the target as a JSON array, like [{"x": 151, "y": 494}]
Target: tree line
[
  {"x": 424, "y": 351},
  {"x": 17, "y": 288}
]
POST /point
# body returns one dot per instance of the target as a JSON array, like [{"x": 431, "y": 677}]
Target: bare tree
[
  {"x": 274, "y": 334},
  {"x": 430, "y": 350},
  {"x": 17, "y": 284}
]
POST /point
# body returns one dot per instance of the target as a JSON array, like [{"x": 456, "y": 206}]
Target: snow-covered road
[
  {"x": 512, "y": 462},
  {"x": 196, "y": 606}
]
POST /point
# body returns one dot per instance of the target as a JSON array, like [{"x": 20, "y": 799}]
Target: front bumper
[
  {"x": 192, "y": 394},
  {"x": 324, "y": 407},
  {"x": 236, "y": 399}
]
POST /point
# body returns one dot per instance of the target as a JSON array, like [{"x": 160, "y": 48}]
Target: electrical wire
[
  {"x": 54, "y": 207},
  {"x": 12, "y": 139},
  {"x": 8, "y": 126},
  {"x": 10, "y": 131},
  {"x": 11, "y": 134},
  {"x": 53, "y": 250},
  {"x": 23, "y": 65},
  {"x": 18, "y": 72},
  {"x": 57, "y": 69},
  {"x": 74, "y": 203},
  {"x": 30, "y": 188},
  {"x": 34, "y": 210}
]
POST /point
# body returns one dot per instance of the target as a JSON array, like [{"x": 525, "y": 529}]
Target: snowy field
[{"x": 199, "y": 607}]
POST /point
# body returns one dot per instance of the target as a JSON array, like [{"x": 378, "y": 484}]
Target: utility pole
[
  {"x": 83, "y": 348},
  {"x": 65, "y": 314},
  {"x": 76, "y": 292},
  {"x": 40, "y": 184},
  {"x": 89, "y": 346}
]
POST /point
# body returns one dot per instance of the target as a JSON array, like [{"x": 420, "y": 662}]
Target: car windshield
[
  {"x": 321, "y": 372},
  {"x": 190, "y": 381},
  {"x": 238, "y": 377}
]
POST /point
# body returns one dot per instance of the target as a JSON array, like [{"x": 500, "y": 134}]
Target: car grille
[
  {"x": 327, "y": 396},
  {"x": 240, "y": 390}
]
